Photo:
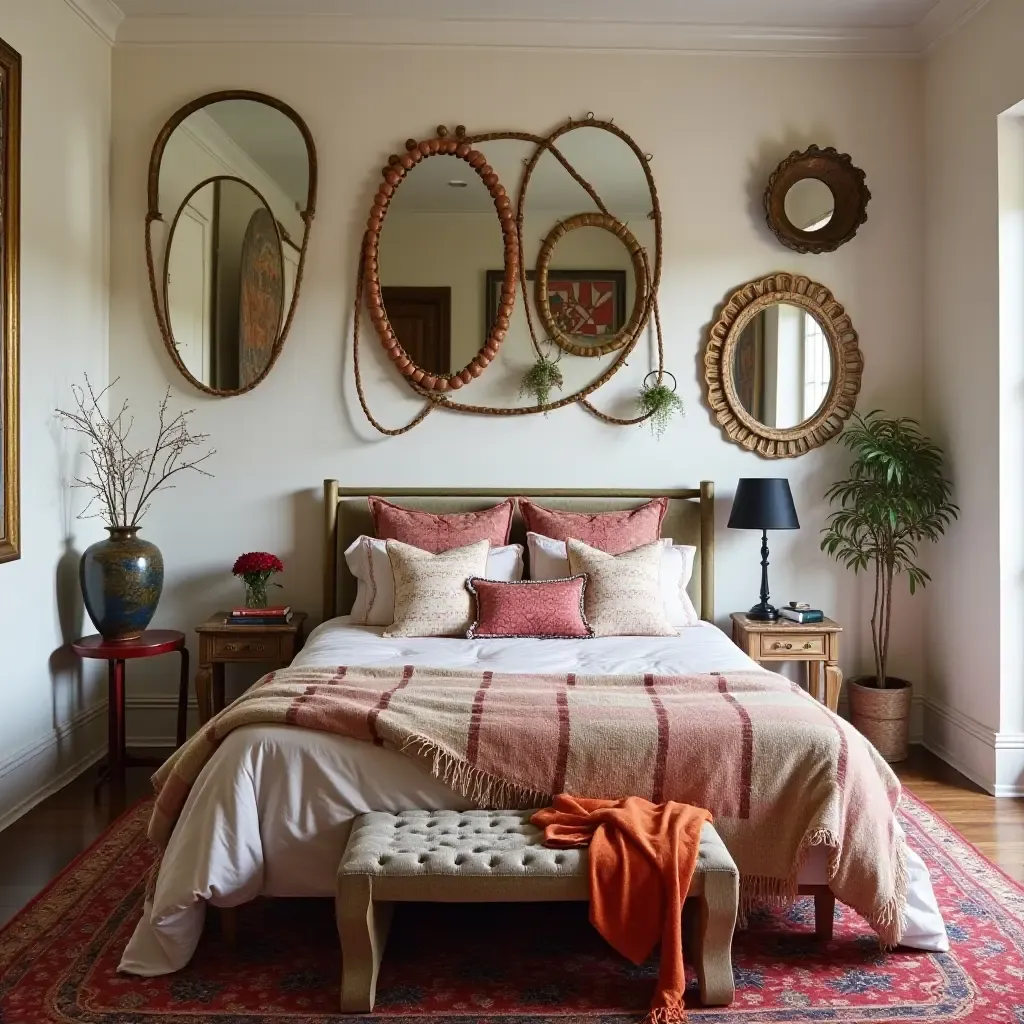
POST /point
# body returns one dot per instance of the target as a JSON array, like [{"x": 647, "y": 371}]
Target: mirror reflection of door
[
  {"x": 189, "y": 284},
  {"x": 782, "y": 366},
  {"x": 421, "y": 319}
]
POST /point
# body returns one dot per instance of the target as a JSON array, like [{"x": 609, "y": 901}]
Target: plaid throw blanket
[{"x": 779, "y": 772}]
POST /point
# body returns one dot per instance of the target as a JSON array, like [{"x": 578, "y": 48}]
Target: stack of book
[
  {"x": 801, "y": 613},
  {"x": 279, "y": 615}
]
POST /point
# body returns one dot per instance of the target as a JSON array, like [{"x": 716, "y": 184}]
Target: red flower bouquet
[{"x": 256, "y": 568}]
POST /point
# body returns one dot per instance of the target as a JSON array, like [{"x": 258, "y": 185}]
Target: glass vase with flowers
[{"x": 255, "y": 569}]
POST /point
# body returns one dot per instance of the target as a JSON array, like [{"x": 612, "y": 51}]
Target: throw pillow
[
  {"x": 431, "y": 598},
  {"x": 547, "y": 609},
  {"x": 613, "y": 532},
  {"x": 623, "y": 596},
  {"x": 432, "y": 532}
]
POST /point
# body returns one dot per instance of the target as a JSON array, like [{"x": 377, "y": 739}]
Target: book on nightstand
[
  {"x": 803, "y": 615},
  {"x": 280, "y": 615}
]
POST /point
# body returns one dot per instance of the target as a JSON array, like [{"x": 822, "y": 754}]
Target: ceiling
[{"x": 886, "y": 26}]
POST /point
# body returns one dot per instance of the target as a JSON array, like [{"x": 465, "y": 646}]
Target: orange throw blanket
[{"x": 642, "y": 859}]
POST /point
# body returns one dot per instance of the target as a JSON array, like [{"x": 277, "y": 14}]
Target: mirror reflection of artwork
[
  {"x": 226, "y": 284},
  {"x": 589, "y": 303},
  {"x": 260, "y": 295},
  {"x": 235, "y": 177},
  {"x": 782, "y": 366}
]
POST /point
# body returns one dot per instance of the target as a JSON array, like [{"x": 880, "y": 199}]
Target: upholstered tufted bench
[{"x": 494, "y": 857}]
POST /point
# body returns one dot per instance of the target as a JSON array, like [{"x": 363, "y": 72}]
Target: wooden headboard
[{"x": 690, "y": 519}]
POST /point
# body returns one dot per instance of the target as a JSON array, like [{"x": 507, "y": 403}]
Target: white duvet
[{"x": 270, "y": 813}]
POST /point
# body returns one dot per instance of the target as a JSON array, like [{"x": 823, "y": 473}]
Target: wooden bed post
[
  {"x": 707, "y": 550},
  {"x": 330, "y": 603}
]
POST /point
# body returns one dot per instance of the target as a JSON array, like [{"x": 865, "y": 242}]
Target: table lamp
[{"x": 763, "y": 503}]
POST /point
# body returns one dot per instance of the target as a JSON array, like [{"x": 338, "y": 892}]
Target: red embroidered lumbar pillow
[
  {"x": 435, "y": 533},
  {"x": 613, "y": 532},
  {"x": 529, "y": 608}
]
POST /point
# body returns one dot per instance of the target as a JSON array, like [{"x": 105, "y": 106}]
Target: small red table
[{"x": 116, "y": 653}]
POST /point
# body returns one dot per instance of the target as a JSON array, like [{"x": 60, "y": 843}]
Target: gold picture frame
[{"x": 10, "y": 260}]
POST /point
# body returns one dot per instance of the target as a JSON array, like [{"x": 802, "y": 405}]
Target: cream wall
[
  {"x": 715, "y": 139},
  {"x": 52, "y": 723},
  {"x": 974, "y": 396}
]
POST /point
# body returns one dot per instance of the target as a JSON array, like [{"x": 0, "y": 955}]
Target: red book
[{"x": 278, "y": 611}]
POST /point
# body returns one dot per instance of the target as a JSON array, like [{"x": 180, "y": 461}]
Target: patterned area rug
[{"x": 527, "y": 964}]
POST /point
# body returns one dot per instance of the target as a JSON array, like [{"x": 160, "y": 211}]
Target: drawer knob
[
  {"x": 245, "y": 647},
  {"x": 808, "y": 645},
  {"x": 778, "y": 645}
]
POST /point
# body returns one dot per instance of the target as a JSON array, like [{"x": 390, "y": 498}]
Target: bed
[{"x": 270, "y": 813}]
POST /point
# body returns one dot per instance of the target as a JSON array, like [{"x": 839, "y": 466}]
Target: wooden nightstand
[
  {"x": 814, "y": 643},
  {"x": 222, "y": 642}
]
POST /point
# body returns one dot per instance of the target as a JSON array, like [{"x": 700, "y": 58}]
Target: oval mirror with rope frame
[{"x": 237, "y": 170}]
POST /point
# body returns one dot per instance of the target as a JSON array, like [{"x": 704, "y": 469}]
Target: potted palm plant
[{"x": 896, "y": 497}]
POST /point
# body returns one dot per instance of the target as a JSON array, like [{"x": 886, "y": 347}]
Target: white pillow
[
  {"x": 368, "y": 561},
  {"x": 623, "y": 595},
  {"x": 550, "y": 561},
  {"x": 431, "y": 596}
]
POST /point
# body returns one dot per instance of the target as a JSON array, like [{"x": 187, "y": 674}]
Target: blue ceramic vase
[{"x": 121, "y": 578}]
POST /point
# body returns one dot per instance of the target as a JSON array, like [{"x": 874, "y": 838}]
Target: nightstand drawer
[
  {"x": 793, "y": 645},
  {"x": 263, "y": 647}
]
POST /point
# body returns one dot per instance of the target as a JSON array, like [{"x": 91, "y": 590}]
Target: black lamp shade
[{"x": 763, "y": 503}]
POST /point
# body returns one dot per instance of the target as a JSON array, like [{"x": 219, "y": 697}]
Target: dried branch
[{"x": 123, "y": 481}]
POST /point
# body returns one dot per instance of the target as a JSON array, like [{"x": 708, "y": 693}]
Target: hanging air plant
[
  {"x": 659, "y": 402},
  {"x": 541, "y": 378}
]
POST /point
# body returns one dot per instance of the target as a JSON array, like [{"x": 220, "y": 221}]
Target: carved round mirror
[
  {"x": 782, "y": 366},
  {"x": 816, "y": 200},
  {"x": 232, "y": 193},
  {"x": 439, "y": 219}
]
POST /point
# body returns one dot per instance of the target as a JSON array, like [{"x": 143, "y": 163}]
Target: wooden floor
[{"x": 37, "y": 846}]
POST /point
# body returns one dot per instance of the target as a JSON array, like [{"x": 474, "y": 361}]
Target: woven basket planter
[{"x": 882, "y": 716}]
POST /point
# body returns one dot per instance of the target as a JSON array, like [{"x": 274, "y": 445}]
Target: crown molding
[
  {"x": 347, "y": 30},
  {"x": 103, "y": 16},
  {"x": 944, "y": 19}
]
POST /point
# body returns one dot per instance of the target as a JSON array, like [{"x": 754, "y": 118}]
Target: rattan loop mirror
[
  {"x": 394, "y": 174},
  {"x": 554, "y": 325},
  {"x": 759, "y": 357}
]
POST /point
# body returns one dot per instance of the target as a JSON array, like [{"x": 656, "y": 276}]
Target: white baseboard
[
  {"x": 47, "y": 764},
  {"x": 151, "y": 720},
  {"x": 992, "y": 760}
]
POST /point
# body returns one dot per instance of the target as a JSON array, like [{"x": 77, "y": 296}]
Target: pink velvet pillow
[
  {"x": 436, "y": 533},
  {"x": 529, "y": 608},
  {"x": 612, "y": 532}
]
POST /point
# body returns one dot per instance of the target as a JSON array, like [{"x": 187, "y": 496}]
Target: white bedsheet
[{"x": 270, "y": 813}]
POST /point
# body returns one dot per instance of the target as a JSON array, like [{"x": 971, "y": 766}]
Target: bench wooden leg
[
  {"x": 824, "y": 914},
  {"x": 363, "y": 928},
  {"x": 715, "y": 928}
]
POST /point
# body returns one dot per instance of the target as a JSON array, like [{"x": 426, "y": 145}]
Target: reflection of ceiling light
[{"x": 457, "y": 184}]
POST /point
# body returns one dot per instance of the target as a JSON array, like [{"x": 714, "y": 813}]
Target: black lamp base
[{"x": 763, "y": 613}]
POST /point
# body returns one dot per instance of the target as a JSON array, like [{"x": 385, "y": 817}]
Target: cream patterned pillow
[
  {"x": 623, "y": 595},
  {"x": 431, "y": 598}
]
